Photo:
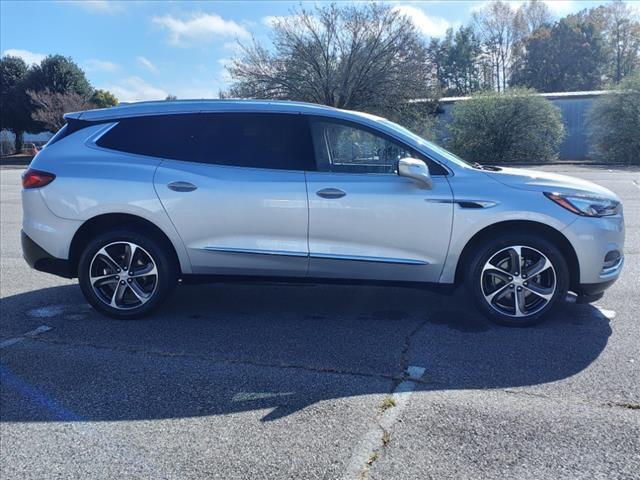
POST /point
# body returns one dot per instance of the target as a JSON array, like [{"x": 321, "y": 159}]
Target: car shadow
[{"x": 224, "y": 348}]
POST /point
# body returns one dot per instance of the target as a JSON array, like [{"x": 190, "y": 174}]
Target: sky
[{"x": 146, "y": 50}]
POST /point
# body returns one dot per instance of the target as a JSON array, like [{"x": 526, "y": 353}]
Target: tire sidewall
[
  {"x": 166, "y": 272},
  {"x": 490, "y": 248}
]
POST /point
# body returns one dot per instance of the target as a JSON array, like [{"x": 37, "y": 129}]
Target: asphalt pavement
[{"x": 302, "y": 381}]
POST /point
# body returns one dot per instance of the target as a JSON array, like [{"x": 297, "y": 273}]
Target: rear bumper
[{"x": 41, "y": 260}]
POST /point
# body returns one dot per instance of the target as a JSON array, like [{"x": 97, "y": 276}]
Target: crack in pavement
[
  {"x": 250, "y": 363},
  {"x": 368, "y": 450}
]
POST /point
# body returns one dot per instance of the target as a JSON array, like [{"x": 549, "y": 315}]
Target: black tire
[
  {"x": 492, "y": 246},
  {"x": 149, "y": 247}
]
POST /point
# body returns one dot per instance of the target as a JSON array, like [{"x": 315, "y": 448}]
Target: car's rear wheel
[
  {"x": 125, "y": 274},
  {"x": 516, "y": 280}
]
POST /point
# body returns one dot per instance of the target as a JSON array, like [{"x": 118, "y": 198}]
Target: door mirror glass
[{"x": 416, "y": 170}]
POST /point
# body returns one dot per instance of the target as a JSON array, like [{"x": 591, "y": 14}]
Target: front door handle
[
  {"x": 330, "y": 193},
  {"x": 181, "y": 186}
]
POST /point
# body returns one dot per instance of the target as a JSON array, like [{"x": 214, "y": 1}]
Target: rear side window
[
  {"x": 276, "y": 141},
  {"x": 280, "y": 141}
]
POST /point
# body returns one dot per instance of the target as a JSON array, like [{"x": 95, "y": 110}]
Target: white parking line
[
  {"x": 610, "y": 314},
  {"x": 372, "y": 441},
  {"x": 33, "y": 333}
]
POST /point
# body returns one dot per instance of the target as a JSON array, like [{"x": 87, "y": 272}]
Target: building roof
[{"x": 584, "y": 94}]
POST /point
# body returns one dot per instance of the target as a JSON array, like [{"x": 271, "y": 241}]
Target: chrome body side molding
[{"x": 286, "y": 253}]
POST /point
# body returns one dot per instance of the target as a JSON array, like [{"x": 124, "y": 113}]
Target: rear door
[
  {"x": 237, "y": 196},
  {"x": 365, "y": 221}
]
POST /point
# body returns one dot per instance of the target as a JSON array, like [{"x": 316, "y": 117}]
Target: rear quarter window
[{"x": 165, "y": 136}]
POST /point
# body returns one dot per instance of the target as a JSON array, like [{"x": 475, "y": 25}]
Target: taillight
[{"x": 36, "y": 178}]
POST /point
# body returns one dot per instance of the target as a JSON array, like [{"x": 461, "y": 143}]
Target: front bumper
[
  {"x": 594, "y": 240},
  {"x": 39, "y": 259}
]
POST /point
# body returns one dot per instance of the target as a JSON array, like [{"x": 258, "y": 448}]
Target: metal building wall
[{"x": 574, "y": 116}]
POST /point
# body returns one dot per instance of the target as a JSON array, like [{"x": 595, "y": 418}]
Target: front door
[{"x": 365, "y": 221}]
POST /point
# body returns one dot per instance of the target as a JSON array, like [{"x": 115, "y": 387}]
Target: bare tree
[
  {"x": 499, "y": 28},
  {"x": 50, "y": 107},
  {"x": 536, "y": 14},
  {"x": 623, "y": 34},
  {"x": 367, "y": 57}
]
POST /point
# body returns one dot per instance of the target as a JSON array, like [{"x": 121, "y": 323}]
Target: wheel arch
[
  {"x": 522, "y": 226},
  {"x": 109, "y": 221}
]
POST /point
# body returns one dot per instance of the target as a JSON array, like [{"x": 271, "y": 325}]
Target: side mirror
[{"x": 417, "y": 170}]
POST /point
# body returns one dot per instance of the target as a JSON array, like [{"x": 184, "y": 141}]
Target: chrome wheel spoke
[
  {"x": 131, "y": 253},
  {"x": 515, "y": 260},
  {"x": 519, "y": 303},
  {"x": 138, "y": 292},
  {"x": 108, "y": 259},
  {"x": 497, "y": 271},
  {"x": 498, "y": 294},
  {"x": 539, "y": 267},
  {"x": 149, "y": 269},
  {"x": 101, "y": 280},
  {"x": 118, "y": 295},
  {"x": 542, "y": 292}
]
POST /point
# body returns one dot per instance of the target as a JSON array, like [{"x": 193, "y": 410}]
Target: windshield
[{"x": 432, "y": 146}]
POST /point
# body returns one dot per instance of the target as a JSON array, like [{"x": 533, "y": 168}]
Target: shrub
[
  {"x": 614, "y": 124},
  {"x": 512, "y": 126}
]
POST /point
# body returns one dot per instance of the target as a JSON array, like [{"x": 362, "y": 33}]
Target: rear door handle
[
  {"x": 181, "y": 186},
  {"x": 330, "y": 193}
]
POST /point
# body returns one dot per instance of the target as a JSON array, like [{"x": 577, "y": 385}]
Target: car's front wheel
[
  {"x": 516, "y": 280},
  {"x": 125, "y": 274}
]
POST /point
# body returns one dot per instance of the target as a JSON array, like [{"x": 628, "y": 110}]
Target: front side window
[{"x": 346, "y": 148}]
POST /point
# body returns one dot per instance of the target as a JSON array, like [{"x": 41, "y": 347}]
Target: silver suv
[{"x": 134, "y": 198}]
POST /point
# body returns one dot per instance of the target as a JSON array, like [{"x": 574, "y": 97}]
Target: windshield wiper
[{"x": 491, "y": 168}]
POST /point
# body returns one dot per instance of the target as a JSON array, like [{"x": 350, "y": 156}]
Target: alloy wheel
[
  {"x": 518, "y": 281},
  {"x": 123, "y": 275}
]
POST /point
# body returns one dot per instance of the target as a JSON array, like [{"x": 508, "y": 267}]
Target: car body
[{"x": 295, "y": 190}]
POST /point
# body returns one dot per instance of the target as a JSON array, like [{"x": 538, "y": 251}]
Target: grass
[{"x": 388, "y": 403}]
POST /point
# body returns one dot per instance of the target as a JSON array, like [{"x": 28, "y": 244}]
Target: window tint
[
  {"x": 166, "y": 136},
  {"x": 278, "y": 141},
  {"x": 345, "y": 147},
  {"x": 235, "y": 139}
]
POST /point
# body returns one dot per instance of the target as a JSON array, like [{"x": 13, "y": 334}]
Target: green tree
[
  {"x": 14, "y": 104},
  {"x": 58, "y": 74},
  {"x": 512, "y": 126},
  {"x": 619, "y": 26},
  {"x": 103, "y": 99},
  {"x": 454, "y": 59},
  {"x": 614, "y": 123},
  {"x": 568, "y": 56}
]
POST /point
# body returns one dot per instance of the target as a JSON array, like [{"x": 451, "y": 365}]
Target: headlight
[{"x": 585, "y": 205}]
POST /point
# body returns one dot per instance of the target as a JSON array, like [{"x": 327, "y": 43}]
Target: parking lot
[{"x": 302, "y": 381}]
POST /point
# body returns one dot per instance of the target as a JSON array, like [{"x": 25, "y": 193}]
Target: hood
[{"x": 537, "y": 181}]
